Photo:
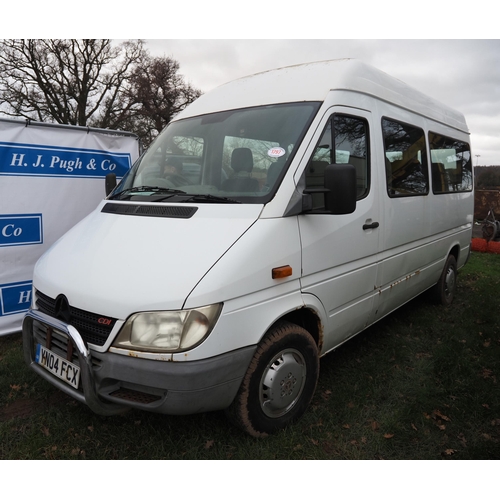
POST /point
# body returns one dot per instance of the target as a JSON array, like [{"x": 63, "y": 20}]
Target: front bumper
[{"x": 111, "y": 383}]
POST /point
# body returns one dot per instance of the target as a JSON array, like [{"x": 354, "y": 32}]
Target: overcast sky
[
  {"x": 464, "y": 74},
  {"x": 217, "y": 41}
]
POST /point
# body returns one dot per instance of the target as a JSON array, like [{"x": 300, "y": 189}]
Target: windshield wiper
[
  {"x": 209, "y": 198},
  {"x": 145, "y": 189},
  {"x": 183, "y": 198}
]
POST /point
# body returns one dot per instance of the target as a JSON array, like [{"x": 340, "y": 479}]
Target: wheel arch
[
  {"x": 307, "y": 318},
  {"x": 461, "y": 251},
  {"x": 455, "y": 251}
]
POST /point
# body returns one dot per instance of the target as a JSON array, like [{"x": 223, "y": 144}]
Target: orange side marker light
[{"x": 281, "y": 272}]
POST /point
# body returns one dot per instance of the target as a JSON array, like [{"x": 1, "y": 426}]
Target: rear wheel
[
  {"x": 279, "y": 383},
  {"x": 445, "y": 289}
]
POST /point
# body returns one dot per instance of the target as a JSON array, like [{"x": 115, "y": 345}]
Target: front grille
[
  {"x": 56, "y": 341},
  {"x": 94, "y": 329}
]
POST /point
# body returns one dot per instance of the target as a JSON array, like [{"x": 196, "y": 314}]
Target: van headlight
[{"x": 167, "y": 331}]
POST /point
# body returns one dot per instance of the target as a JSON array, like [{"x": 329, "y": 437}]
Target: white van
[{"x": 273, "y": 219}]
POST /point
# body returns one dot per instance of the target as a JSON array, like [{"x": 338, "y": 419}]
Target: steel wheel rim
[
  {"x": 282, "y": 383},
  {"x": 449, "y": 282}
]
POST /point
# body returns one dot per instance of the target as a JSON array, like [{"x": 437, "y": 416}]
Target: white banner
[{"x": 51, "y": 176}]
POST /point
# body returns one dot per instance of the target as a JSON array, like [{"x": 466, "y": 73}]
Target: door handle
[{"x": 373, "y": 225}]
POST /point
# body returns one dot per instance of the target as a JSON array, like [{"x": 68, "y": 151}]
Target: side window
[
  {"x": 344, "y": 140},
  {"x": 405, "y": 159},
  {"x": 451, "y": 165}
]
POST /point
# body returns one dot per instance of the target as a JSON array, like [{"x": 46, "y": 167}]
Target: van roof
[{"x": 312, "y": 82}]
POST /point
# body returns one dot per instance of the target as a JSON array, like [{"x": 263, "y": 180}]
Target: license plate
[{"x": 58, "y": 366}]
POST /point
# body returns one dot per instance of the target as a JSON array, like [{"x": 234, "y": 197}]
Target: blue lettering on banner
[
  {"x": 15, "y": 298},
  {"x": 48, "y": 161},
  {"x": 21, "y": 229}
]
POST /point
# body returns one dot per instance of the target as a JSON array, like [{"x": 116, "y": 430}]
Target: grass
[{"x": 422, "y": 383}]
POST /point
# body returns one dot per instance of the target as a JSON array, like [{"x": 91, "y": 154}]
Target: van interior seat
[
  {"x": 274, "y": 171},
  {"x": 242, "y": 165},
  {"x": 315, "y": 173},
  {"x": 440, "y": 179}
]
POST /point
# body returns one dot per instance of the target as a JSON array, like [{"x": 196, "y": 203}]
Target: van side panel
[
  {"x": 418, "y": 231},
  {"x": 360, "y": 276}
]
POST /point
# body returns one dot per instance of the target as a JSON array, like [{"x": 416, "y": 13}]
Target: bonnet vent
[{"x": 150, "y": 210}]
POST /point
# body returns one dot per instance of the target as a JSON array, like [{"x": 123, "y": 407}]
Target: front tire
[{"x": 279, "y": 383}]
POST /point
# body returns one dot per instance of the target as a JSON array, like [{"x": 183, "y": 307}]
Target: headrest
[
  {"x": 242, "y": 160},
  {"x": 174, "y": 162}
]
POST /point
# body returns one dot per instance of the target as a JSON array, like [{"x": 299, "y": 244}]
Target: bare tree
[
  {"x": 161, "y": 92},
  {"x": 77, "y": 82},
  {"x": 91, "y": 83}
]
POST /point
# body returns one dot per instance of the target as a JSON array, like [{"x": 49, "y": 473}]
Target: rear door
[{"x": 339, "y": 259}]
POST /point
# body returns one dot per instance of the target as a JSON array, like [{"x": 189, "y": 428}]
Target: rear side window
[
  {"x": 345, "y": 141},
  {"x": 451, "y": 164},
  {"x": 405, "y": 159}
]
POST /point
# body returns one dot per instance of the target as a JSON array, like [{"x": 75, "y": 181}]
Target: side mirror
[
  {"x": 110, "y": 183},
  {"x": 340, "y": 189}
]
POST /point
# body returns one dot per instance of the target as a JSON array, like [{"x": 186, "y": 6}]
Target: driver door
[{"x": 339, "y": 252}]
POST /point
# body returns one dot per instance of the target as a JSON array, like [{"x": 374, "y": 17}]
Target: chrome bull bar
[{"x": 89, "y": 395}]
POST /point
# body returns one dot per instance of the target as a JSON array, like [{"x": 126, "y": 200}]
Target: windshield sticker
[{"x": 276, "y": 152}]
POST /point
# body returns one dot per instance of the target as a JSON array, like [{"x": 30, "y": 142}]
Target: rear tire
[
  {"x": 445, "y": 289},
  {"x": 279, "y": 383}
]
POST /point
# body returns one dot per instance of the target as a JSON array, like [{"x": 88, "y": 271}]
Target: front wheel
[{"x": 279, "y": 383}]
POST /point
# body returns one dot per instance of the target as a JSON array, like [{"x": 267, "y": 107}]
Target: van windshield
[{"x": 231, "y": 156}]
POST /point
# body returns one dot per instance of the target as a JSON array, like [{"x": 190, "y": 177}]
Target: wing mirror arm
[{"x": 110, "y": 183}]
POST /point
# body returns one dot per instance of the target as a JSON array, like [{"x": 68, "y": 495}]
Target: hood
[{"x": 116, "y": 264}]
